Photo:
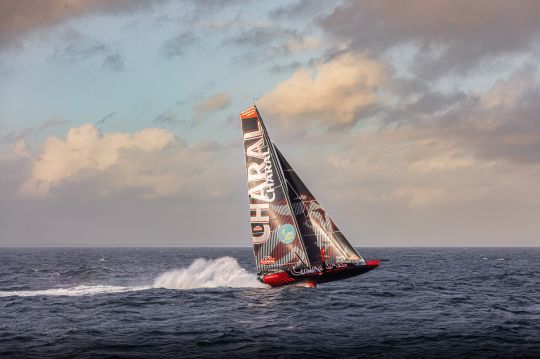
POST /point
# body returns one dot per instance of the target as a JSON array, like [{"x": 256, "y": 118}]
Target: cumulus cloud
[
  {"x": 332, "y": 92},
  {"x": 18, "y": 18},
  {"x": 150, "y": 163},
  {"x": 452, "y": 36}
]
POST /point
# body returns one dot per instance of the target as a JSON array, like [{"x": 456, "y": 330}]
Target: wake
[{"x": 223, "y": 272}]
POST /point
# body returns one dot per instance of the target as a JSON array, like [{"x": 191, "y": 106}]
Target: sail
[
  {"x": 275, "y": 233},
  {"x": 319, "y": 233}
]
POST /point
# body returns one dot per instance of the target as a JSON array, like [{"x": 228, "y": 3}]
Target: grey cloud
[
  {"x": 106, "y": 117},
  {"x": 499, "y": 125},
  {"x": 77, "y": 46},
  {"x": 13, "y": 136},
  {"x": 299, "y": 8},
  {"x": 266, "y": 43},
  {"x": 167, "y": 118},
  {"x": 18, "y": 18},
  {"x": 113, "y": 62},
  {"x": 177, "y": 45},
  {"x": 452, "y": 36},
  {"x": 272, "y": 38},
  {"x": 291, "y": 66}
]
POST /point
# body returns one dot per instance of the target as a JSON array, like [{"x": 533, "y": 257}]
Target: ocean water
[{"x": 207, "y": 303}]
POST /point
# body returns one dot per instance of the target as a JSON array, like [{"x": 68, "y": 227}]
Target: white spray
[{"x": 202, "y": 273}]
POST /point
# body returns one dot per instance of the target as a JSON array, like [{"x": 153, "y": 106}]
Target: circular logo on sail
[{"x": 286, "y": 233}]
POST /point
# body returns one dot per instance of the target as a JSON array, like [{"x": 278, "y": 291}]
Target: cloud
[
  {"x": 76, "y": 46},
  {"x": 151, "y": 163},
  {"x": 277, "y": 39},
  {"x": 424, "y": 148},
  {"x": 333, "y": 92},
  {"x": 25, "y": 133},
  {"x": 106, "y": 117},
  {"x": 309, "y": 8},
  {"x": 113, "y": 62},
  {"x": 167, "y": 118},
  {"x": 217, "y": 102},
  {"x": 451, "y": 36},
  {"x": 177, "y": 45},
  {"x": 18, "y": 18},
  {"x": 264, "y": 43},
  {"x": 421, "y": 168}
]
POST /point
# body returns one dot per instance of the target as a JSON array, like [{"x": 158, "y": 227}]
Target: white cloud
[
  {"x": 333, "y": 91},
  {"x": 150, "y": 163}
]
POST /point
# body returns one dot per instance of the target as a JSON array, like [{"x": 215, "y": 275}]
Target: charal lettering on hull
[{"x": 294, "y": 239}]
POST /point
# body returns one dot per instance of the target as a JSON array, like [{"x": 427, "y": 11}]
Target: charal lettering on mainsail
[
  {"x": 276, "y": 238},
  {"x": 259, "y": 171}
]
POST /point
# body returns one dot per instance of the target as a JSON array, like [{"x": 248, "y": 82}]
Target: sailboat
[{"x": 295, "y": 241}]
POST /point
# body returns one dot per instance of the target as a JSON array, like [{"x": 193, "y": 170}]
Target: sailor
[{"x": 323, "y": 260}]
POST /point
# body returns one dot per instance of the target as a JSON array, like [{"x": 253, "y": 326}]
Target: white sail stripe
[{"x": 283, "y": 210}]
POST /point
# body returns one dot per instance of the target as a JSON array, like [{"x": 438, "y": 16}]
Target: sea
[{"x": 207, "y": 303}]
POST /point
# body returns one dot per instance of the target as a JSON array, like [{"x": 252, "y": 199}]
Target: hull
[{"x": 310, "y": 277}]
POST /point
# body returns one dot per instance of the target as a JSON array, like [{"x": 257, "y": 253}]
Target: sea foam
[{"x": 208, "y": 273}]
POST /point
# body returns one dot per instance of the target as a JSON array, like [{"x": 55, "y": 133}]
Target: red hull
[{"x": 316, "y": 275}]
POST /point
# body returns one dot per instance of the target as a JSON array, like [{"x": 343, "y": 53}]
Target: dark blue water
[{"x": 83, "y": 303}]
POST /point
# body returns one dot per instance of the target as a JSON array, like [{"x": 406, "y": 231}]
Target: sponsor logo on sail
[
  {"x": 249, "y": 113},
  {"x": 268, "y": 260},
  {"x": 286, "y": 233}
]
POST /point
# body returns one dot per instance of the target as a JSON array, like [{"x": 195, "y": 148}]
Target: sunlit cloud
[
  {"x": 332, "y": 92},
  {"x": 150, "y": 163}
]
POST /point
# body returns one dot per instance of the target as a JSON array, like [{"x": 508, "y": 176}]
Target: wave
[{"x": 202, "y": 273}]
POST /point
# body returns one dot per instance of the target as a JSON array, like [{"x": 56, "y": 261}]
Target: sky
[{"x": 415, "y": 123}]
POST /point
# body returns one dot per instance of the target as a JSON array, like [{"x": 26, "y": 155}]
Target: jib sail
[
  {"x": 322, "y": 238},
  {"x": 275, "y": 233}
]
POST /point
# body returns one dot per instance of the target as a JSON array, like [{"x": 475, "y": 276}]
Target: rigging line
[{"x": 301, "y": 260}]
